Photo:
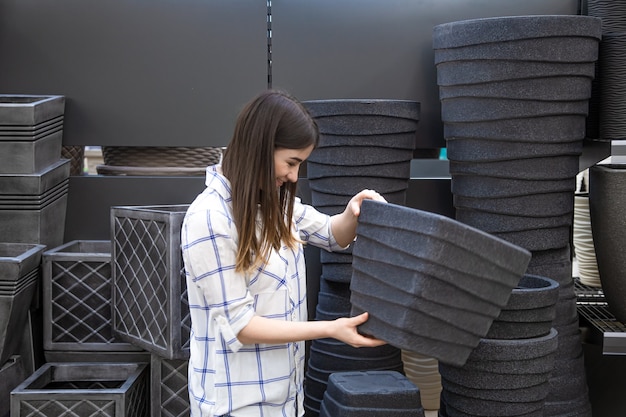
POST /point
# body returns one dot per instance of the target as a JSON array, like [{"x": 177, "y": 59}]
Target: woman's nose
[{"x": 293, "y": 175}]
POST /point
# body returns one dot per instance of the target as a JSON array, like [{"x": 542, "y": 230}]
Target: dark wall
[
  {"x": 137, "y": 72},
  {"x": 176, "y": 72}
]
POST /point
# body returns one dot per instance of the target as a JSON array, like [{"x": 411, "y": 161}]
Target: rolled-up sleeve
[
  {"x": 209, "y": 252},
  {"x": 314, "y": 227}
]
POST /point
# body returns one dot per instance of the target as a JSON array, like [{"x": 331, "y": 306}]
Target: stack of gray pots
[
  {"x": 34, "y": 178},
  {"x": 364, "y": 144},
  {"x": 509, "y": 372},
  {"x": 514, "y": 94}
]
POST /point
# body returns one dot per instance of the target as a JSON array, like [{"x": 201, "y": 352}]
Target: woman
[{"x": 242, "y": 241}]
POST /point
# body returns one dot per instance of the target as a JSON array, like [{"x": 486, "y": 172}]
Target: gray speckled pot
[
  {"x": 538, "y": 239},
  {"x": 400, "y": 170},
  {"x": 475, "y": 149},
  {"x": 513, "y": 28},
  {"x": 494, "y": 222},
  {"x": 364, "y": 116},
  {"x": 438, "y": 248},
  {"x": 560, "y": 167},
  {"x": 530, "y": 310},
  {"x": 561, "y": 128},
  {"x": 484, "y": 186},
  {"x": 409, "y": 286},
  {"x": 607, "y": 199},
  {"x": 534, "y": 205},
  {"x": 359, "y": 156}
]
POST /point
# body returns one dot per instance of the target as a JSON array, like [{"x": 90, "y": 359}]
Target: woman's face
[{"x": 287, "y": 163}]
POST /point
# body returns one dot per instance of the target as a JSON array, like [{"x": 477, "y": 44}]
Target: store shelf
[{"x": 604, "y": 328}]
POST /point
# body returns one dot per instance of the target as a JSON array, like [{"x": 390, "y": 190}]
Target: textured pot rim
[
  {"x": 410, "y": 219},
  {"x": 490, "y": 30}
]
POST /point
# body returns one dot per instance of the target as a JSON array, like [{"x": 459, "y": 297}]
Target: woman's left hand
[
  {"x": 344, "y": 224},
  {"x": 354, "y": 205}
]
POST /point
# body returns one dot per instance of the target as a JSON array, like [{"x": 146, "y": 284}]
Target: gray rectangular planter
[
  {"x": 33, "y": 206},
  {"x": 169, "y": 392},
  {"x": 28, "y": 110},
  {"x": 77, "y": 298},
  {"x": 30, "y": 155},
  {"x": 150, "y": 307},
  {"x": 83, "y": 389}
]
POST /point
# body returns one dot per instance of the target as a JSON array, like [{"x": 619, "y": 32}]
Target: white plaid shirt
[{"x": 226, "y": 377}]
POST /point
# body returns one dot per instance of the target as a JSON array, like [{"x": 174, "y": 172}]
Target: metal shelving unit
[{"x": 604, "y": 328}]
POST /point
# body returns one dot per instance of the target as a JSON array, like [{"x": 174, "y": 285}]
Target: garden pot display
[
  {"x": 149, "y": 302},
  {"x": 370, "y": 394},
  {"x": 607, "y": 198},
  {"x": 439, "y": 249}
]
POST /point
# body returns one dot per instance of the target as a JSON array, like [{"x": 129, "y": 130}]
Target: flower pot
[{"x": 607, "y": 197}]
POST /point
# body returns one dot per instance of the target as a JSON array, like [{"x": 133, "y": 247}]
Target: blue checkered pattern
[{"x": 225, "y": 376}]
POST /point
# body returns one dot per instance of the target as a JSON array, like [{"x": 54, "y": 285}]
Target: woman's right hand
[{"x": 345, "y": 330}]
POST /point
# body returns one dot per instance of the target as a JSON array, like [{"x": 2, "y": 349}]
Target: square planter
[
  {"x": 83, "y": 389},
  {"x": 27, "y": 155},
  {"x": 77, "y": 298},
  {"x": 28, "y": 110},
  {"x": 169, "y": 392},
  {"x": 33, "y": 206},
  {"x": 150, "y": 307}
]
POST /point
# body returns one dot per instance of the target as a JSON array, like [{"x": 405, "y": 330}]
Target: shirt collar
[{"x": 217, "y": 181}]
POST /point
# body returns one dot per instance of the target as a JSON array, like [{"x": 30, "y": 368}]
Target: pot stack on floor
[{"x": 515, "y": 95}]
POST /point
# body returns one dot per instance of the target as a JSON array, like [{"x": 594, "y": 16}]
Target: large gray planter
[
  {"x": 607, "y": 199},
  {"x": 451, "y": 252},
  {"x": 150, "y": 307}
]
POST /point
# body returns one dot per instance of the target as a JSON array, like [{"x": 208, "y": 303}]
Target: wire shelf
[{"x": 593, "y": 311}]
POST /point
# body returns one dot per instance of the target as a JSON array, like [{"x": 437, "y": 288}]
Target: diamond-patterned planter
[
  {"x": 83, "y": 389},
  {"x": 77, "y": 298},
  {"x": 169, "y": 395},
  {"x": 150, "y": 307}
]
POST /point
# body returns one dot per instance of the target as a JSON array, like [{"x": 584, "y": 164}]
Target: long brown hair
[{"x": 271, "y": 120}]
